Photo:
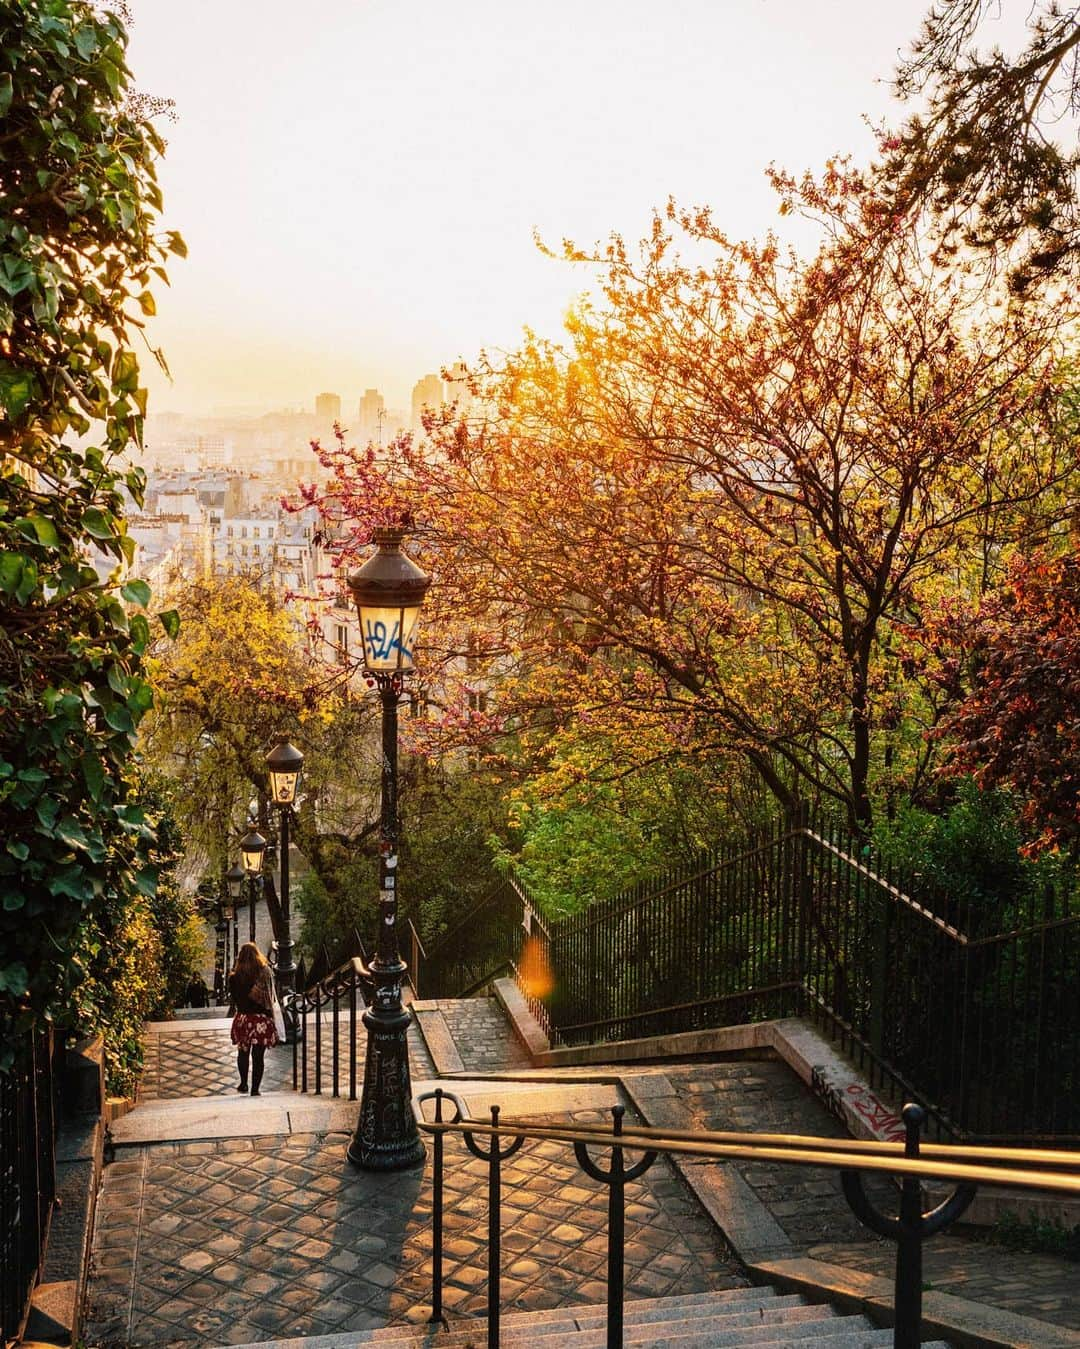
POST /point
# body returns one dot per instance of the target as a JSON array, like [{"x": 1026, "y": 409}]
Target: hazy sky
[{"x": 358, "y": 181}]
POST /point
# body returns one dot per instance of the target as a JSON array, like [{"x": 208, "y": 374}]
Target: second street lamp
[
  {"x": 283, "y": 764},
  {"x": 388, "y": 589},
  {"x": 234, "y": 879},
  {"x": 252, "y": 848}
]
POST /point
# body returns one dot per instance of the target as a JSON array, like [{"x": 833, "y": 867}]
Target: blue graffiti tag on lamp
[{"x": 388, "y": 590}]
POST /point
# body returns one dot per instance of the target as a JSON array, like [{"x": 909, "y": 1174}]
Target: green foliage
[
  {"x": 139, "y": 953},
  {"x": 572, "y": 856},
  {"x": 121, "y": 958},
  {"x": 597, "y": 838},
  {"x": 77, "y": 252},
  {"x": 1041, "y": 1235},
  {"x": 449, "y": 815},
  {"x": 971, "y": 852}
]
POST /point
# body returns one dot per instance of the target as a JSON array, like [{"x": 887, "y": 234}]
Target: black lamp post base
[{"x": 386, "y": 1137}]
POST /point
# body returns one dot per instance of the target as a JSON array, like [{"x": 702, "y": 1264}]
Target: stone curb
[
  {"x": 56, "y": 1306},
  {"x": 437, "y": 1037},
  {"x": 524, "y": 1024}
]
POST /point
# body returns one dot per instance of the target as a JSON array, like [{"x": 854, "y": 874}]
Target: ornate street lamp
[
  {"x": 283, "y": 764},
  {"x": 252, "y": 847},
  {"x": 388, "y": 591}
]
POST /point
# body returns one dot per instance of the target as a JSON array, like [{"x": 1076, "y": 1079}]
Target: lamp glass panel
[
  {"x": 234, "y": 883},
  {"x": 388, "y": 633},
  {"x": 252, "y": 860},
  {"x": 283, "y": 786}
]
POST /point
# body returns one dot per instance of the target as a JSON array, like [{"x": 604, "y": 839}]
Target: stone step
[{"x": 757, "y": 1318}]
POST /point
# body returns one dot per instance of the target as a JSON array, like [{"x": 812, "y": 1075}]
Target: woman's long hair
[{"x": 250, "y": 963}]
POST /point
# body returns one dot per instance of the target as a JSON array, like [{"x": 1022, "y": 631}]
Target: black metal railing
[
  {"x": 326, "y": 1010},
  {"x": 923, "y": 992},
  {"x": 487, "y": 942},
  {"x": 28, "y": 1111},
  {"x": 1049, "y": 1171}
]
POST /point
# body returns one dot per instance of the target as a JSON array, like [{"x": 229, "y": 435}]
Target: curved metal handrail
[{"x": 963, "y": 1167}]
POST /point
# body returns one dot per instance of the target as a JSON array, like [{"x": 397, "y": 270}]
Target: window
[{"x": 341, "y": 641}]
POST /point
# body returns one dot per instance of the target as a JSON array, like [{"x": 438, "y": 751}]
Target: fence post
[
  {"x": 437, "y": 1216},
  {"x": 801, "y": 874}
]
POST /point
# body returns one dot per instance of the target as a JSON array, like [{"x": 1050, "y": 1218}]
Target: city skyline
[{"x": 354, "y": 221}]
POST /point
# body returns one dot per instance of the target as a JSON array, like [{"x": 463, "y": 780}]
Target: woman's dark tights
[{"x": 258, "y": 1054}]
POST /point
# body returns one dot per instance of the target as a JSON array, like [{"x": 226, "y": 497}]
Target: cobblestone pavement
[
  {"x": 251, "y": 1239},
  {"x": 482, "y": 1035},
  {"x": 1032, "y": 1285},
  {"x": 183, "y": 1060},
  {"x": 767, "y": 1097}
]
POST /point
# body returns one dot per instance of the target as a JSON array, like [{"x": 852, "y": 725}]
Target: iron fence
[
  {"x": 487, "y": 942},
  {"x": 28, "y": 1110},
  {"x": 974, "y": 1011}
]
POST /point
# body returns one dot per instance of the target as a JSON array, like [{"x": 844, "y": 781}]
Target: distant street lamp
[
  {"x": 388, "y": 591},
  {"x": 284, "y": 764},
  {"x": 252, "y": 847},
  {"x": 221, "y": 954},
  {"x": 234, "y": 879}
]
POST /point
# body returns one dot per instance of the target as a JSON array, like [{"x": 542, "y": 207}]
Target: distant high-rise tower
[
  {"x": 427, "y": 393},
  {"x": 457, "y": 387},
  {"x": 328, "y": 407},
  {"x": 372, "y": 411}
]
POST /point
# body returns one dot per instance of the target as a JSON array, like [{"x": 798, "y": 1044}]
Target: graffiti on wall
[{"x": 844, "y": 1099}]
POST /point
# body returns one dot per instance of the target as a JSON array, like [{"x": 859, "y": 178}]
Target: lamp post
[
  {"x": 234, "y": 879},
  {"x": 221, "y": 954},
  {"x": 388, "y": 591},
  {"x": 284, "y": 764},
  {"x": 252, "y": 847}
]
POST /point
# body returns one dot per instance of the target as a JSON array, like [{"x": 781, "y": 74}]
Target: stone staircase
[{"x": 760, "y": 1318}]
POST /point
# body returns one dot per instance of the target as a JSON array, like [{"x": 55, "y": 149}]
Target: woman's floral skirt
[{"x": 253, "y": 1028}]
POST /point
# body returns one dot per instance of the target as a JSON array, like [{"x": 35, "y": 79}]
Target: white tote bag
[{"x": 275, "y": 1011}]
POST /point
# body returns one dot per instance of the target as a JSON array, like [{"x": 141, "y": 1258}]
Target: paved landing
[
  {"x": 247, "y": 1239},
  {"x": 195, "y": 1058}
]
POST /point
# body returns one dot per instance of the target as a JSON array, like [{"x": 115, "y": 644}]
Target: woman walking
[{"x": 253, "y": 1026}]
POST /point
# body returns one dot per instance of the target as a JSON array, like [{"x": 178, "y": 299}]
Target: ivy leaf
[
  {"x": 125, "y": 372},
  {"x": 146, "y": 881},
  {"x": 14, "y": 978},
  {"x": 93, "y": 775},
  {"x": 45, "y": 530},
  {"x": 136, "y": 592},
  {"x": 85, "y": 41},
  {"x": 71, "y": 832},
  {"x": 11, "y": 570},
  {"x": 18, "y": 849},
  {"x": 170, "y": 621},
  {"x": 140, "y": 632},
  {"x": 16, "y": 274},
  {"x": 119, "y": 718},
  {"x": 72, "y": 881},
  {"x": 16, "y": 389},
  {"x": 97, "y": 524}
]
